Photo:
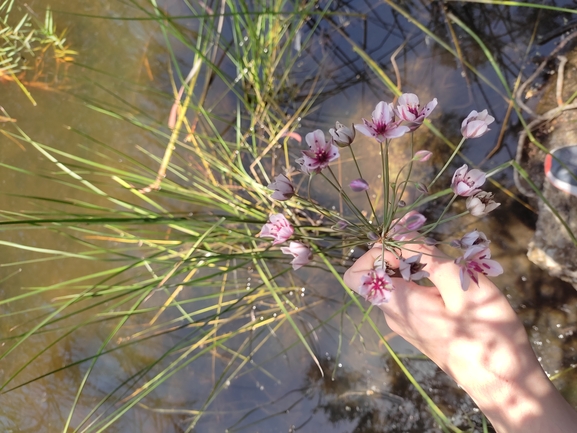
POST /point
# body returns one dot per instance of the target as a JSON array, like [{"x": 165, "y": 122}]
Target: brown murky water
[{"x": 281, "y": 390}]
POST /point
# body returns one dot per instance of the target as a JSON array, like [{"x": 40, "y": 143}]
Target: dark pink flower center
[
  {"x": 322, "y": 156},
  {"x": 380, "y": 128},
  {"x": 413, "y": 109},
  {"x": 378, "y": 285},
  {"x": 478, "y": 266}
]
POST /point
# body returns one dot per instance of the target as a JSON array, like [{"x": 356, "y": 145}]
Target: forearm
[{"x": 529, "y": 406}]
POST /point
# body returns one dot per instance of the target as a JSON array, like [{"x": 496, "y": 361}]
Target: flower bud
[
  {"x": 343, "y": 136},
  {"x": 373, "y": 236},
  {"x": 341, "y": 225},
  {"x": 422, "y": 188},
  {"x": 422, "y": 155},
  {"x": 359, "y": 185}
]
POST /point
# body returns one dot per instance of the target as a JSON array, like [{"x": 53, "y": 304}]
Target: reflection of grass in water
[
  {"x": 208, "y": 265},
  {"x": 28, "y": 44}
]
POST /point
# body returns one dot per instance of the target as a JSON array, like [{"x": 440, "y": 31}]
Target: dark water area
[{"x": 124, "y": 64}]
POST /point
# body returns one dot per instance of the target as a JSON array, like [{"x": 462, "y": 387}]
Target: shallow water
[{"x": 280, "y": 389}]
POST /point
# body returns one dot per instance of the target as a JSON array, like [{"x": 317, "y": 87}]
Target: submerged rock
[{"x": 552, "y": 248}]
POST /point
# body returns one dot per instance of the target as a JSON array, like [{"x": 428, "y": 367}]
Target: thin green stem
[
  {"x": 366, "y": 192},
  {"x": 313, "y": 203},
  {"x": 448, "y": 162},
  {"x": 442, "y": 214},
  {"x": 385, "y": 177},
  {"x": 408, "y": 174},
  {"x": 347, "y": 200}
]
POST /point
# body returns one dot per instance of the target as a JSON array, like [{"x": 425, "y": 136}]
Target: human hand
[{"x": 475, "y": 337}]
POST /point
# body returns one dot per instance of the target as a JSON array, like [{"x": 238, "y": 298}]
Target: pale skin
[{"x": 476, "y": 338}]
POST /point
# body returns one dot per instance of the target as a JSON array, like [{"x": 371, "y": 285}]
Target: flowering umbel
[
  {"x": 320, "y": 153},
  {"x": 467, "y": 182},
  {"x": 301, "y": 253},
  {"x": 396, "y": 225},
  {"x": 277, "y": 228},
  {"x": 383, "y": 125},
  {"x": 376, "y": 287}
]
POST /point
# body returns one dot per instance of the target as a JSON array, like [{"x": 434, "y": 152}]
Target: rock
[{"x": 552, "y": 247}]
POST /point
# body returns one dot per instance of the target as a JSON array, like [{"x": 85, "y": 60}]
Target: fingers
[
  {"x": 412, "y": 309},
  {"x": 446, "y": 276},
  {"x": 364, "y": 264},
  {"x": 443, "y": 273}
]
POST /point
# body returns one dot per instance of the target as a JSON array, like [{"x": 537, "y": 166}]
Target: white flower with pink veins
[
  {"x": 383, "y": 125},
  {"x": 277, "y": 228},
  {"x": 301, "y": 253}
]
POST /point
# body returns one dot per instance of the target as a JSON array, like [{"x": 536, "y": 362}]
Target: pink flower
[
  {"x": 283, "y": 188},
  {"x": 481, "y": 204},
  {"x": 277, "y": 228},
  {"x": 475, "y": 261},
  {"x": 383, "y": 125},
  {"x": 412, "y": 268},
  {"x": 343, "y": 136},
  {"x": 422, "y": 155},
  {"x": 320, "y": 153},
  {"x": 301, "y": 253},
  {"x": 474, "y": 238},
  {"x": 410, "y": 110},
  {"x": 476, "y": 124},
  {"x": 466, "y": 182},
  {"x": 359, "y": 185},
  {"x": 410, "y": 222},
  {"x": 376, "y": 287}
]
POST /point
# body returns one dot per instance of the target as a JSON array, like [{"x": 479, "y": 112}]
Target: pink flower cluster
[
  {"x": 387, "y": 122},
  {"x": 280, "y": 229},
  {"x": 384, "y": 125}
]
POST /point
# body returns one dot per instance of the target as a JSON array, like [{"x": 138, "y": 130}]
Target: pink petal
[
  {"x": 316, "y": 140},
  {"x": 382, "y": 113},
  {"x": 408, "y": 99},
  {"x": 397, "y": 132},
  {"x": 415, "y": 221},
  {"x": 430, "y": 107}
]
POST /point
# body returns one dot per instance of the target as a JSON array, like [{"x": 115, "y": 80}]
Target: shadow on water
[{"x": 278, "y": 389}]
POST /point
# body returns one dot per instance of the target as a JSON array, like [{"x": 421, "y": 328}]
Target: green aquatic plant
[
  {"x": 171, "y": 233},
  {"x": 27, "y": 44}
]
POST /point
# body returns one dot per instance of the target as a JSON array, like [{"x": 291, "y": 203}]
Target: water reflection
[{"x": 276, "y": 388}]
